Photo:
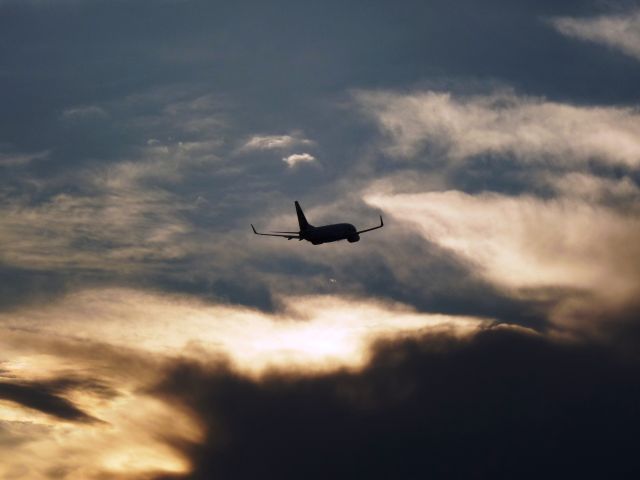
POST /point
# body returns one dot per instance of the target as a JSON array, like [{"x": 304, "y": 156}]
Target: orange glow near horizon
[
  {"x": 312, "y": 333},
  {"x": 121, "y": 338}
]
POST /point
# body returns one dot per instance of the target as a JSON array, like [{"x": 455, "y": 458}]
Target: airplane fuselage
[
  {"x": 330, "y": 233},
  {"x": 319, "y": 235}
]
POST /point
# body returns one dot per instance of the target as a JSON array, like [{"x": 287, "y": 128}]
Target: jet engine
[{"x": 353, "y": 238}]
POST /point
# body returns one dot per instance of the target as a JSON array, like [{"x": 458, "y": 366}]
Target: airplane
[{"x": 319, "y": 235}]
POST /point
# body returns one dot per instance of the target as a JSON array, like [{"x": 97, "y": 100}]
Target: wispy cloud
[
  {"x": 527, "y": 244},
  {"x": 594, "y": 189},
  {"x": 532, "y": 130},
  {"x": 20, "y": 159},
  {"x": 130, "y": 210},
  {"x": 124, "y": 222},
  {"x": 84, "y": 112},
  {"x": 618, "y": 31}
]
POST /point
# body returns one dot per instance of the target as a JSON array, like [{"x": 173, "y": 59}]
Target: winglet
[
  {"x": 373, "y": 228},
  {"x": 254, "y": 229}
]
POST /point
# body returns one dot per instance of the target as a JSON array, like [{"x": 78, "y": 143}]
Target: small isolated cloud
[
  {"x": 84, "y": 112},
  {"x": 528, "y": 129},
  {"x": 275, "y": 142},
  {"x": 621, "y": 32},
  {"x": 298, "y": 158}
]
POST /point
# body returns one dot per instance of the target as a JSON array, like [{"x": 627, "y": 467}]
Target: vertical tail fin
[{"x": 302, "y": 220}]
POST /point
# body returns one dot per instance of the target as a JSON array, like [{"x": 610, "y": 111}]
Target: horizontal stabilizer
[{"x": 287, "y": 236}]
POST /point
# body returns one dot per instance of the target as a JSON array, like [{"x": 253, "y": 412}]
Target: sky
[{"x": 489, "y": 330}]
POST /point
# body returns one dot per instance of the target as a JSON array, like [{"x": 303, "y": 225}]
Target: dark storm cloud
[{"x": 503, "y": 404}]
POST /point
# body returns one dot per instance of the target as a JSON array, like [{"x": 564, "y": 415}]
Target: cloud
[
  {"x": 145, "y": 332},
  {"x": 21, "y": 159},
  {"x": 103, "y": 375},
  {"x": 531, "y": 130},
  {"x": 527, "y": 244},
  {"x": 298, "y": 159},
  {"x": 416, "y": 407},
  {"x": 366, "y": 373},
  {"x": 87, "y": 410},
  {"x": 312, "y": 333},
  {"x": 130, "y": 210},
  {"x": 84, "y": 112},
  {"x": 275, "y": 142},
  {"x": 618, "y": 31},
  {"x": 42, "y": 397},
  {"x": 623, "y": 192},
  {"x": 122, "y": 220}
]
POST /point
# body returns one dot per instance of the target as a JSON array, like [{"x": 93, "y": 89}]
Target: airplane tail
[{"x": 302, "y": 220}]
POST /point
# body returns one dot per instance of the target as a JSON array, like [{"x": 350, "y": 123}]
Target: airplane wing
[
  {"x": 288, "y": 237},
  {"x": 373, "y": 228}
]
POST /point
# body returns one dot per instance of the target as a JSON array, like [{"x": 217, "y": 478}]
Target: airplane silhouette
[{"x": 324, "y": 234}]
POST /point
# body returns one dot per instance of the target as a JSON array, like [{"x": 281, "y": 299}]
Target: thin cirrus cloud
[
  {"x": 531, "y": 129},
  {"x": 526, "y": 241},
  {"x": 527, "y": 244},
  {"x": 573, "y": 248},
  {"x": 618, "y": 31}
]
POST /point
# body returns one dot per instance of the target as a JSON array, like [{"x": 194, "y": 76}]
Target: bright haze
[{"x": 489, "y": 330}]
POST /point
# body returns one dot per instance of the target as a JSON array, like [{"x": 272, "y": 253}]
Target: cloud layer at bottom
[
  {"x": 500, "y": 404},
  {"x": 83, "y": 379}
]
